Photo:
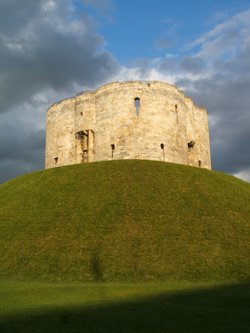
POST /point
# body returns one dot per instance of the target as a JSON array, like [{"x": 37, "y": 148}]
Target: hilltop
[{"x": 125, "y": 221}]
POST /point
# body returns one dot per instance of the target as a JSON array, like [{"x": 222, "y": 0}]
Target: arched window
[{"x": 137, "y": 104}]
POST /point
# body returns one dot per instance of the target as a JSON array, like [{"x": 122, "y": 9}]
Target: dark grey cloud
[
  {"x": 21, "y": 150},
  {"x": 231, "y": 150},
  {"x": 15, "y": 13},
  {"x": 24, "y": 143},
  {"x": 216, "y": 76},
  {"x": 48, "y": 50},
  {"x": 185, "y": 65},
  {"x": 193, "y": 65},
  {"x": 226, "y": 96}
]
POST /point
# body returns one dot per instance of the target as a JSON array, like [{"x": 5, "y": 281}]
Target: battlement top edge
[{"x": 117, "y": 84}]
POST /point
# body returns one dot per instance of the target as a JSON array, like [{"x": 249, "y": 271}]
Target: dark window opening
[
  {"x": 85, "y": 156},
  {"x": 199, "y": 163},
  {"x": 85, "y": 142},
  {"x": 137, "y": 104},
  {"x": 112, "y": 149},
  {"x": 56, "y": 159},
  {"x": 191, "y": 144},
  {"x": 163, "y": 152},
  {"x": 81, "y": 134},
  {"x": 81, "y": 114},
  {"x": 176, "y": 107}
]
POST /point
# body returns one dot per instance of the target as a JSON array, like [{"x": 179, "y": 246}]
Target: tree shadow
[
  {"x": 95, "y": 265},
  {"x": 218, "y": 309}
]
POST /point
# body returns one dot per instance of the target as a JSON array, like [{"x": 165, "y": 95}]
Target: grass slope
[{"x": 125, "y": 221}]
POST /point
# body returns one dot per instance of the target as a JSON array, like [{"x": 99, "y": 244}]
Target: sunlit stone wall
[{"x": 128, "y": 120}]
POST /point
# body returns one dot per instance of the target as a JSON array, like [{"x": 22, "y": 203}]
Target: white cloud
[
  {"x": 49, "y": 52},
  {"x": 139, "y": 73},
  {"x": 245, "y": 175},
  {"x": 225, "y": 39},
  {"x": 215, "y": 75}
]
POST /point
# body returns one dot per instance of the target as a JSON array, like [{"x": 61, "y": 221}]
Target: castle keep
[{"x": 128, "y": 120}]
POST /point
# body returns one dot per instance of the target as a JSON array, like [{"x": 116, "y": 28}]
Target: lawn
[
  {"x": 124, "y": 307},
  {"x": 125, "y": 221},
  {"x": 87, "y": 248}
]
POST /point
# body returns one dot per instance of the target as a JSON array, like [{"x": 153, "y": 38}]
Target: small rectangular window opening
[
  {"x": 112, "y": 149},
  {"x": 137, "y": 105},
  {"x": 163, "y": 151}
]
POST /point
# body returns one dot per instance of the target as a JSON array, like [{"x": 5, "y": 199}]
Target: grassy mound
[{"x": 125, "y": 221}]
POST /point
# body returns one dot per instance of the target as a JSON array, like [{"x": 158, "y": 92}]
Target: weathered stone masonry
[{"x": 128, "y": 120}]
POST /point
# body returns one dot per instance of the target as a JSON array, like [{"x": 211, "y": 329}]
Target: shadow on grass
[{"x": 218, "y": 309}]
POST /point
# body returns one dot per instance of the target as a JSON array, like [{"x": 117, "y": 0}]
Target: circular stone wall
[{"x": 128, "y": 120}]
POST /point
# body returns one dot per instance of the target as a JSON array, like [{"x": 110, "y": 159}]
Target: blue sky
[
  {"x": 150, "y": 29},
  {"x": 53, "y": 49}
]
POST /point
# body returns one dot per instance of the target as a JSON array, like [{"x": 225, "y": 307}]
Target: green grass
[
  {"x": 122, "y": 307},
  {"x": 125, "y": 221},
  {"x": 121, "y": 224}
]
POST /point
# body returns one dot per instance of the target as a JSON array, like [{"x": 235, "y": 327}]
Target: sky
[{"x": 54, "y": 49}]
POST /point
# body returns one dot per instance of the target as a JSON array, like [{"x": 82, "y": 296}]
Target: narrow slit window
[
  {"x": 112, "y": 149},
  {"x": 163, "y": 151},
  {"x": 137, "y": 104}
]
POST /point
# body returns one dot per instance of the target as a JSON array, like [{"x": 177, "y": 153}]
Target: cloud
[
  {"x": 224, "y": 88},
  {"x": 48, "y": 50},
  {"x": 238, "y": 24},
  {"x": 215, "y": 73},
  {"x": 21, "y": 142},
  {"x": 245, "y": 175}
]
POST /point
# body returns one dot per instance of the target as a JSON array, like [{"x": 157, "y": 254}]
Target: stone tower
[{"x": 128, "y": 120}]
